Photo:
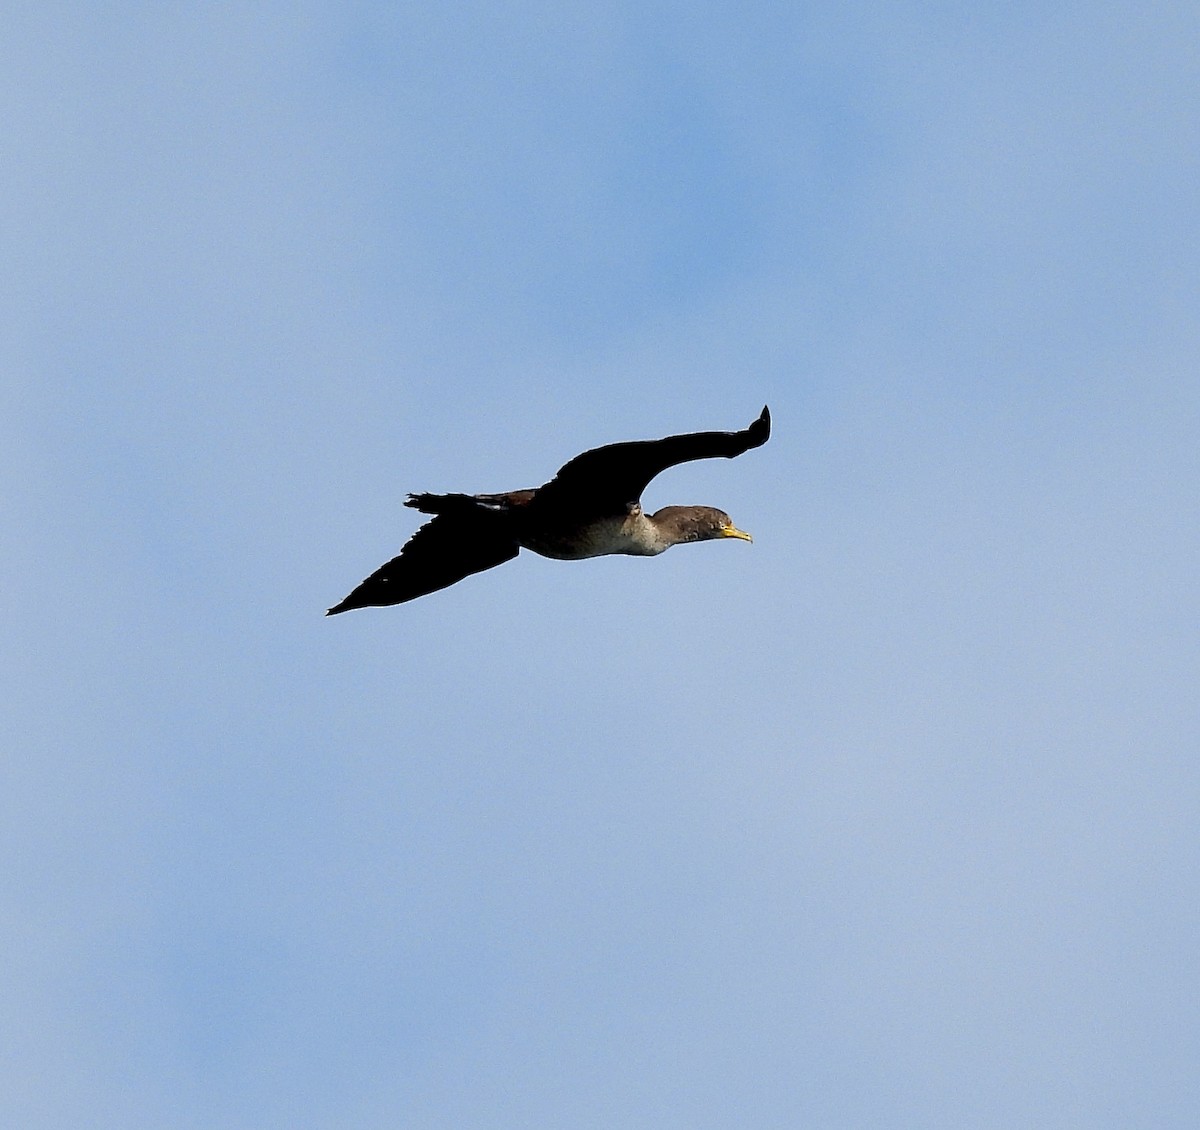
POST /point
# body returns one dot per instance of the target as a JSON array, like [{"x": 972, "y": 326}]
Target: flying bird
[{"x": 590, "y": 508}]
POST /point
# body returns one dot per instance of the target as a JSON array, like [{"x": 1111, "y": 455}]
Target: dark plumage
[{"x": 591, "y": 507}]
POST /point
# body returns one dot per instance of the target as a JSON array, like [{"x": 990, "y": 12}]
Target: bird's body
[
  {"x": 590, "y": 508},
  {"x": 630, "y": 533}
]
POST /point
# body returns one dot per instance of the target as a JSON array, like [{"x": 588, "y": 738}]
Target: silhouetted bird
[{"x": 591, "y": 507}]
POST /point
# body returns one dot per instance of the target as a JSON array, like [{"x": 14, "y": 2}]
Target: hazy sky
[{"x": 891, "y": 819}]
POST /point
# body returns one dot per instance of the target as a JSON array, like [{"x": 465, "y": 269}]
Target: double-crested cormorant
[{"x": 591, "y": 507}]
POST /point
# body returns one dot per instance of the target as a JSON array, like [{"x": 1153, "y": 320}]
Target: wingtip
[{"x": 761, "y": 428}]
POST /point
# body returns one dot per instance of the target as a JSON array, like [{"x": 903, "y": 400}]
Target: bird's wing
[
  {"x": 447, "y": 549},
  {"x": 614, "y": 476}
]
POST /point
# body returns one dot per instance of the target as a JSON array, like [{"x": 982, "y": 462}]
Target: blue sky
[{"x": 886, "y": 820}]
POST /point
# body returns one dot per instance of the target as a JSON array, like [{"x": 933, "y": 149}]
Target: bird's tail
[
  {"x": 441, "y": 503},
  {"x": 466, "y": 503}
]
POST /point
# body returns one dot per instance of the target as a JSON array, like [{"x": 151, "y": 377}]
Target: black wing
[
  {"x": 611, "y": 477},
  {"x": 443, "y": 551}
]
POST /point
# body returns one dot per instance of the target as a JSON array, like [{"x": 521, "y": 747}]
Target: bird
[{"x": 591, "y": 507}]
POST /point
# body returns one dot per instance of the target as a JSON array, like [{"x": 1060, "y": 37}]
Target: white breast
[{"x": 633, "y": 534}]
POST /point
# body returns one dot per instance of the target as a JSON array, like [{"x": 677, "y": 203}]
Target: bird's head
[{"x": 696, "y": 523}]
